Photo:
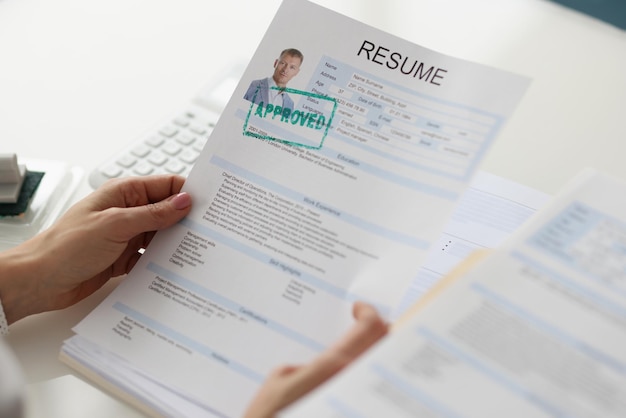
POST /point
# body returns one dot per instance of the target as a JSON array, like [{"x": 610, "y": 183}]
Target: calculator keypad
[{"x": 172, "y": 148}]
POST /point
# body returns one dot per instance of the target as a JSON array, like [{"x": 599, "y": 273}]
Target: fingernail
[{"x": 181, "y": 201}]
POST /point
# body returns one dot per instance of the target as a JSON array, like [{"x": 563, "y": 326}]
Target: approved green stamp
[{"x": 305, "y": 124}]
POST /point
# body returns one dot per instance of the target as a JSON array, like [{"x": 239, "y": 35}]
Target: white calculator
[{"x": 173, "y": 145}]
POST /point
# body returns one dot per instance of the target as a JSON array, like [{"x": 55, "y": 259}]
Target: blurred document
[
  {"x": 534, "y": 329},
  {"x": 490, "y": 210}
]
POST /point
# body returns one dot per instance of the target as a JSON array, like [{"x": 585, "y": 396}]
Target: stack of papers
[
  {"x": 309, "y": 196},
  {"x": 488, "y": 212}
]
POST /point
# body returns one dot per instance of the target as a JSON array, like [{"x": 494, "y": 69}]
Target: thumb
[
  {"x": 156, "y": 216},
  {"x": 368, "y": 329}
]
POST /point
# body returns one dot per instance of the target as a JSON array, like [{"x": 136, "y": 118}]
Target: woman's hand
[
  {"x": 96, "y": 239},
  {"x": 289, "y": 383}
]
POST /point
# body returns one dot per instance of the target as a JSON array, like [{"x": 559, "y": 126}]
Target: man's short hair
[{"x": 292, "y": 52}]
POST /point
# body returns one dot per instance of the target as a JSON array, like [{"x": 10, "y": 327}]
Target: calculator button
[
  {"x": 186, "y": 172},
  {"x": 189, "y": 156},
  {"x": 155, "y": 141},
  {"x": 126, "y": 161},
  {"x": 141, "y": 151},
  {"x": 157, "y": 158},
  {"x": 171, "y": 148},
  {"x": 143, "y": 169},
  {"x": 185, "y": 138},
  {"x": 168, "y": 131},
  {"x": 174, "y": 166},
  {"x": 181, "y": 122},
  {"x": 199, "y": 144},
  {"x": 161, "y": 170},
  {"x": 112, "y": 171},
  {"x": 197, "y": 129}
]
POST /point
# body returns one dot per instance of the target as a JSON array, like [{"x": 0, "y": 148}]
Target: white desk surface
[{"x": 78, "y": 80}]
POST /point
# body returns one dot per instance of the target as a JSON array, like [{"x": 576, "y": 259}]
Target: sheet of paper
[
  {"x": 333, "y": 193},
  {"x": 488, "y": 212},
  {"x": 536, "y": 330}
]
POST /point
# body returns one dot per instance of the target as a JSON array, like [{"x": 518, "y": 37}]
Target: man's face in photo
[{"x": 286, "y": 68}]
